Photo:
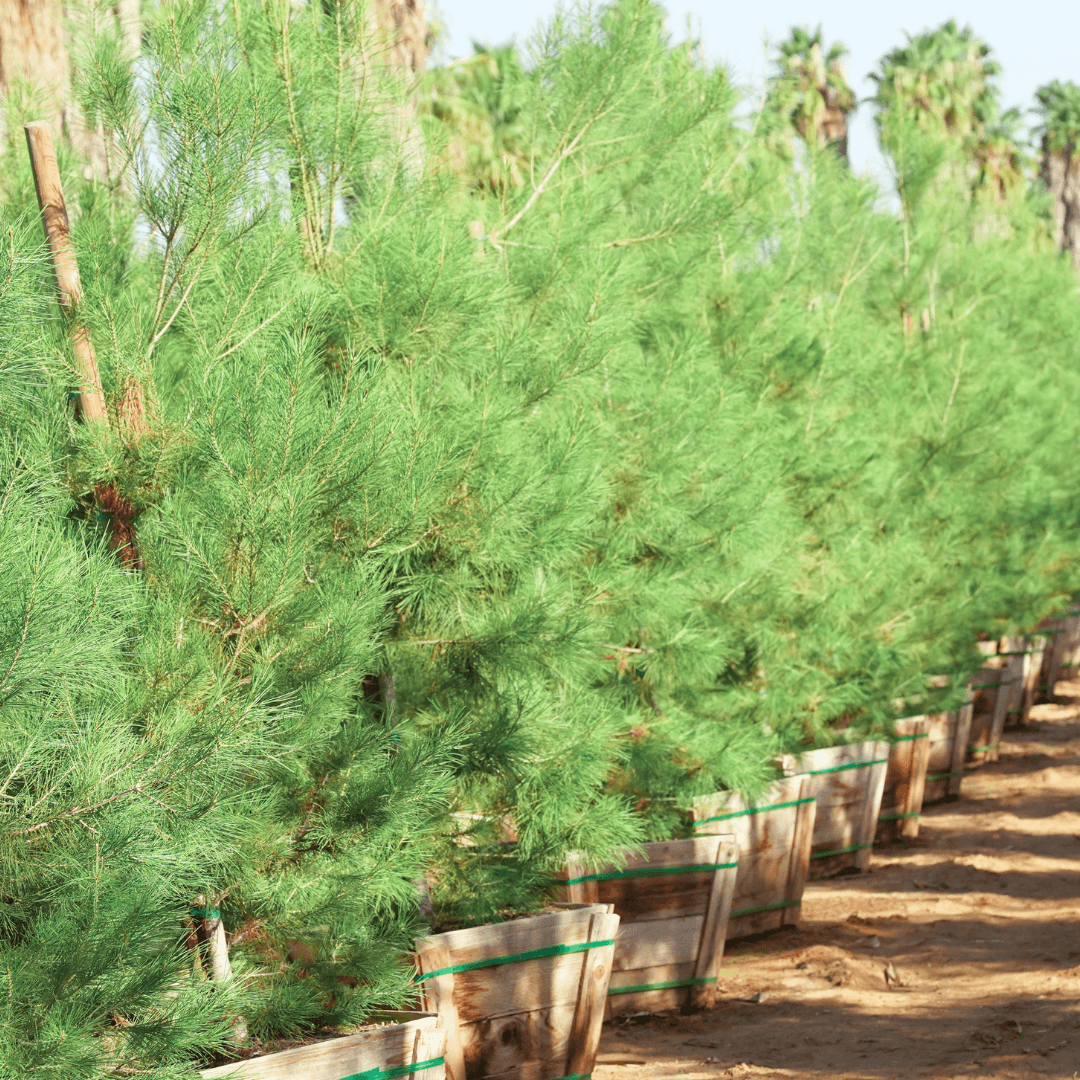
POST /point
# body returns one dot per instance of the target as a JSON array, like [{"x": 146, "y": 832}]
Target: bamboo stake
[{"x": 57, "y": 227}]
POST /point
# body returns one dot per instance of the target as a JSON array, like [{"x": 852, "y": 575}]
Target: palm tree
[
  {"x": 943, "y": 83},
  {"x": 1059, "y": 109},
  {"x": 942, "y": 79},
  {"x": 812, "y": 91}
]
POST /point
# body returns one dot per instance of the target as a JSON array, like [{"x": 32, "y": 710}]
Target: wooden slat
[
  {"x": 541, "y": 984},
  {"x": 1039, "y": 646},
  {"x": 387, "y": 1047},
  {"x": 960, "y": 744},
  {"x": 647, "y": 944},
  {"x": 714, "y": 928},
  {"x": 516, "y": 936},
  {"x": 438, "y": 995},
  {"x": 646, "y": 1001},
  {"x": 655, "y": 973},
  {"x": 592, "y": 1000}
]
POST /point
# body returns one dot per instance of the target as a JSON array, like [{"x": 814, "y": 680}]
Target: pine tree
[{"x": 229, "y": 760}]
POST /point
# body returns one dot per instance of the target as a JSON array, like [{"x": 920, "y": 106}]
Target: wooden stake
[
  {"x": 54, "y": 218},
  {"x": 215, "y": 947}
]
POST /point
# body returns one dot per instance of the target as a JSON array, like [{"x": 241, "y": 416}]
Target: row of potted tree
[{"x": 414, "y": 531}]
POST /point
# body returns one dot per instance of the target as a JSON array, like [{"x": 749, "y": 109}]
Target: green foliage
[
  {"x": 483, "y": 512},
  {"x": 810, "y": 89},
  {"x": 1059, "y": 112},
  {"x": 942, "y": 78},
  {"x": 480, "y": 103}
]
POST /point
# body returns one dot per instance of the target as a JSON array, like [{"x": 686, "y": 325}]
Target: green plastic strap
[
  {"x": 675, "y": 984},
  {"x": 752, "y": 810},
  {"x": 653, "y": 871},
  {"x": 980, "y": 749},
  {"x": 205, "y": 913},
  {"x": 991, "y": 685},
  {"x": 400, "y": 1070},
  {"x": 897, "y": 817},
  {"x": 841, "y": 851},
  {"x": 515, "y": 958},
  {"x": 764, "y": 907},
  {"x": 908, "y": 738},
  {"x": 1022, "y": 652},
  {"x": 849, "y": 765},
  {"x": 943, "y": 775}
]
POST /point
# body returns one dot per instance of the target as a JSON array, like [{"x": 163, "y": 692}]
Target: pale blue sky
[{"x": 1034, "y": 42}]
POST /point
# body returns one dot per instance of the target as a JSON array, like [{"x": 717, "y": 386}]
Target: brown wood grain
[
  {"x": 520, "y": 1018},
  {"x": 390, "y": 1046},
  {"x": 669, "y": 920},
  {"x": 905, "y": 780},
  {"x": 848, "y": 802},
  {"x": 773, "y": 850}
]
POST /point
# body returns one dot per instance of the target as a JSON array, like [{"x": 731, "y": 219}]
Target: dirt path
[{"x": 979, "y": 919}]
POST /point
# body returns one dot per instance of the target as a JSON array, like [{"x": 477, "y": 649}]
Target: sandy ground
[{"x": 957, "y": 955}]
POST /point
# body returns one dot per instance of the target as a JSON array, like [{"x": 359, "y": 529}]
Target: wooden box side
[
  {"x": 850, "y": 781},
  {"x": 772, "y": 837},
  {"x": 521, "y": 996},
  {"x": 905, "y": 780}
]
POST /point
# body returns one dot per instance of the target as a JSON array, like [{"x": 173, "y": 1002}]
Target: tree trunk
[
  {"x": 402, "y": 24},
  {"x": 36, "y": 69},
  {"x": 401, "y": 35},
  {"x": 1061, "y": 173}
]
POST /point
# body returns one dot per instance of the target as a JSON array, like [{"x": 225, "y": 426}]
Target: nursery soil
[{"x": 956, "y": 956}]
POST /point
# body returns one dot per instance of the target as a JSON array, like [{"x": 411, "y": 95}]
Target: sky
[{"x": 1034, "y": 42}]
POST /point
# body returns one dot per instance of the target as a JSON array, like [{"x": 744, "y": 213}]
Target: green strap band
[
  {"x": 1022, "y": 652},
  {"x": 764, "y": 907},
  {"x": 515, "y": 958},
  {"x": 752, "y": 810},
  {"x": 898, "y": 817},
  {"x": 675, "y": 984},
  {"x": 400, "y": 1070},
  {"x": 980, "y": 749},
  {"x": 653, "y": 871},
  {"x": 991, "y": 685},
  {"x": 841, "y": 851},
  {"x": 908, "y": 738},
  {"x": 943, "y": 775},
  {"x": 849, "y": 765},
  {"x": 205, "y": 913}
]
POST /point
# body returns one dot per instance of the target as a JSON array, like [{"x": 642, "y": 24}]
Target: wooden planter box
[
  {"x": 521, "y": 999},
  {"x": 673, "y": 902},
  {"x": 946, "y": 753},
  {"x": 905, "y": 780},
  {"x": 407, "y": 1044},
  {"x": 992, "y": 688},
  {"x": 1024, "y": 658},
  {"x": 773, "y": 837},
  {"x": 849, "y": 782}
]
